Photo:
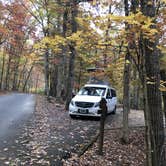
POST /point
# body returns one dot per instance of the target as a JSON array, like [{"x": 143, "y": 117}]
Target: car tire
[
  {"x": 72, "y": 116},
  {"x": 114, "y": 111},
  {"x": 108, "y": 112}
]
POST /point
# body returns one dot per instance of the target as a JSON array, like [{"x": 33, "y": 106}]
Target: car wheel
[
  {"x": 72, "y": 116},
  {"x": 108, "y": 112},
  {"x": 114, "y": 111}
]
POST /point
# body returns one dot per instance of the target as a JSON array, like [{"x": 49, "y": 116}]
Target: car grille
[{"x": 84, "y": 104}]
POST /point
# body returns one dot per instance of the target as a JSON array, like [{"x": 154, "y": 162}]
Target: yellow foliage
[
  {"x": 76, "y": 37},
  {"x": 163, "y": 62},
  {"x": 163, "y": 1},
  {"x": 137, "y": 23},
  {"x": 53, "y": 43},
  {"x": 163, "y": 89},
  {"x": 127, "y": 62},
  {"x": 162, "y": 48},
  {"x": 150, "y": 3}
]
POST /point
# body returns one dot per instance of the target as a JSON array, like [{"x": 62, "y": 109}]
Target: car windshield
[{"x": 92, "y": 91}]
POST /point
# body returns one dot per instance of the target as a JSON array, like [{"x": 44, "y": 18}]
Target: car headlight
[
  {"x": 72, "y": 103},
  {"x": 97, "y": 104}
]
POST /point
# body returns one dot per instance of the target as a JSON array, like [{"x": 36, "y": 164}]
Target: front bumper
[{"x": 78, "y": 111}]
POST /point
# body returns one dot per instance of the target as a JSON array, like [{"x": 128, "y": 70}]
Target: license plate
[{"x": 82, "y": 111}]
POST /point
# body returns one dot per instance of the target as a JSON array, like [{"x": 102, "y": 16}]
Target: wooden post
[{"x": 103, "y": 107}]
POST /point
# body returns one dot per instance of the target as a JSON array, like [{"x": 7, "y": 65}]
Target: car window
[
  {"x": 92, "y": 91},
  {"x": 108, "y": 94},
  {"x": 113, "y": 93}
]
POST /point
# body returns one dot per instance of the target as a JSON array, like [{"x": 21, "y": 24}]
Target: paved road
[{"x": 15, "y": 109}]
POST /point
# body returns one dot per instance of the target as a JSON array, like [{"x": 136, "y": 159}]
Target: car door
[
  {"x": 109, "y": 101},
  {"x": 114, "y": 98}
]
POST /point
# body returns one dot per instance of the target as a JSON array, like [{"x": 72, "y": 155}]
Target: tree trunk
[
  {"x": 22, "y": 74},
  {"x": 80, "y": 74},
  {"x": 64, "y": 58},
  {"x": 163, "y": 78},
  {"x": 70, "y": 76},
  {"x": 53, "y": 80},
  {"x": 59, "y": 81},
  {"x": 27, "y": 79},
  {"x": 154, "y": 101},
  {"x": 136, "y": 91},
  {"x": 2, "y": 70},
  {"x": 148, "y": 127},
  {"x": 15, "y": 74},
  {"x": 70, "y": 80},
  {"x": 36, "y": 83},
  {"x": 7, "y": 73},
  {"x": 153, "y": 93},
  {"x": 126, "y": 92},
  {"x": 134, "y": 5},
  {"x": 126, "y": 98},
  {"x": 46, "y": 72}
]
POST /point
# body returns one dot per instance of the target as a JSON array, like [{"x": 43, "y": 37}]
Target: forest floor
[
  {"x": 3, "y": 92},
  {"x": 52, "y": 138},
  {"x": 114, "y": 151}
]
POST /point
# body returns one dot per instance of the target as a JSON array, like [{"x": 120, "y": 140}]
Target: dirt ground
[
  {"x": 115, "y": 153},
  {"x": 52, "y": 138}
]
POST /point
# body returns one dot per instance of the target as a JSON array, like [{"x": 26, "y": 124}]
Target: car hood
[{"x": 85, "y": 98}]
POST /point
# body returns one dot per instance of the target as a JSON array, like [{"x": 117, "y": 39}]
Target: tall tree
[
  {"x": 62, "y": 65},
  {"x": 70, "y": 80},
  {"x": 126, "y": 92},
  {"x": 152, "y": 69},
  {"x": 40, "y": 11},
  {"x": 18, "y": 33}
]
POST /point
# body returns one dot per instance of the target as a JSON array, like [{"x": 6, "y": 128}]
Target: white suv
[{"x": 86, "y": 102}]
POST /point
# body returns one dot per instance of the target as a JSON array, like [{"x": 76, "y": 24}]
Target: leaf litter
[{"x": 50, "y": 137}]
